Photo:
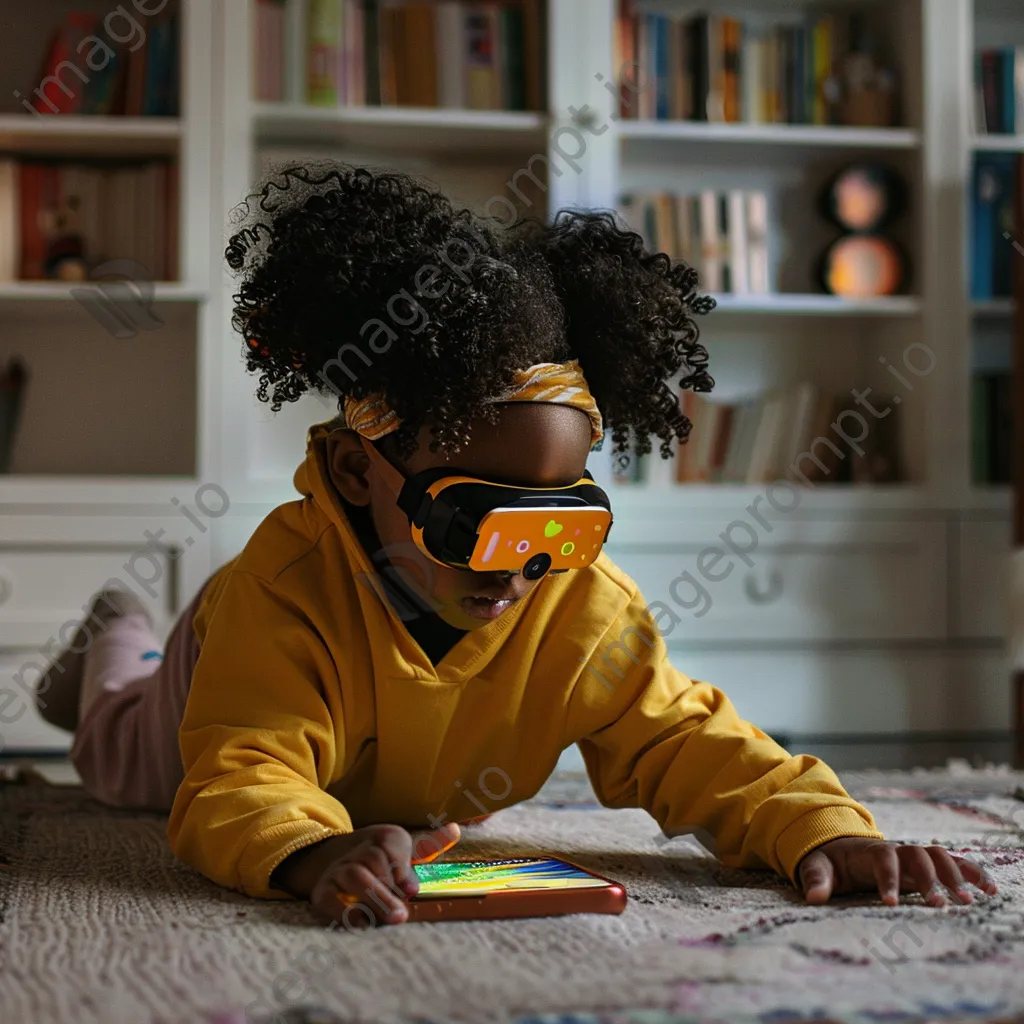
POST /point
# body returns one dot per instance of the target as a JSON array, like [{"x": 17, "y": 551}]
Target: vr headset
[{"x": 465, "y": 523}]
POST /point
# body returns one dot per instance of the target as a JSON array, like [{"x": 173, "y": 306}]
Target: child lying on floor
[{"x": 334, "y": 686}]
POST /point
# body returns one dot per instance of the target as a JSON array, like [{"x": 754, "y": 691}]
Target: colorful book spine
[{"x": 324, "y": 53}]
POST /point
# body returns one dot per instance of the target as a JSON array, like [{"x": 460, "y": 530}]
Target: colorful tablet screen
[{"x": 469, "y": 878}]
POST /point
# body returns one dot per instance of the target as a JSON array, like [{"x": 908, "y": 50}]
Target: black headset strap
[{"x": 408, "y": 494}]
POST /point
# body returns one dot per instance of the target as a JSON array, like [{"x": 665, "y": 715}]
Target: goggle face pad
[{"x": 491, "y": 528}]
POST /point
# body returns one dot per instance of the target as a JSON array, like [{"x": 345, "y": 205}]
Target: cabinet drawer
[
  {"x": 809, "y": 581},
  {"x": 819, "y": 691},
  {"x": 983, "y": 580},
  {"x": 21, "y": 726},
  {"x": 43, "y": 587}
]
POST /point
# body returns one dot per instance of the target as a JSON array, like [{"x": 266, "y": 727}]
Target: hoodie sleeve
[
  {"x": 258, "y": 741},
  {"x": 654, "y": 738}
]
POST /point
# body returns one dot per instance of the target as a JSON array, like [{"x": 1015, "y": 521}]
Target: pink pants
[{"x": 126, "y": 745}]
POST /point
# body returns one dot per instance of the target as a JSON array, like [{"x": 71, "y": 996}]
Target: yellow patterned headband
[{"x": 560, "y": 383}]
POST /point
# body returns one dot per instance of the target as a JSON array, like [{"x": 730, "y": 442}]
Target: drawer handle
[
  {"x": 757, "y": 594},
  {"x": 6, "y": 589}
]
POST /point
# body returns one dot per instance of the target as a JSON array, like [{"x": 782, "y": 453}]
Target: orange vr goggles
[{"x": 466, "y": 523}]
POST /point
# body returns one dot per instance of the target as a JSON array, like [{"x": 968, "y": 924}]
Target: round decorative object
[
  {"x": 863, "y": 267},
  {"x": 864, "y": 197}
]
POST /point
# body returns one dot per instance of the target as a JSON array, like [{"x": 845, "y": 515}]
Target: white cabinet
[
  {"x": 805, "y": 581},
  {"x": 982, "y": 581}
]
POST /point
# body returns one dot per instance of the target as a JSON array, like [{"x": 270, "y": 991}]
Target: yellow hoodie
[{"x": 312, "y": 711}]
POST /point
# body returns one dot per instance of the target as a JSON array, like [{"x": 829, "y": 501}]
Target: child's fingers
[
  {"x": 949, "y": 874},
  {"x": 817, "y": 876},
  {"x": 916, "y": 862},
  {"x": 886, "y": 865},
  {"x": 428, "y": 846},
  {"x": 393, "y": 858},
  {"x": 976, "y": 875},
  {"x": 357, "y": 884}
]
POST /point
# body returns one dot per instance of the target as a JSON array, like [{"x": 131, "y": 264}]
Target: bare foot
[{"x": 63, "y": 677}]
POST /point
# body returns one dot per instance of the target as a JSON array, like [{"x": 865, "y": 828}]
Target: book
[
  {"x": 731, "y": 64},
  {"x": 33, "y": 245},
  {"x": 752, "y": 64},
  {"x": 698, "y": 49},
  {"x": 451, "y": 87},
  {"x": 295, "y": 76},
  {"x": 739, "y": 254},
  {"x": 687, "y": 230},
  {"x": 659, "y": 27},
  {"x": 372, "y": 35},
  {"x": 689, "y": 407},
  {"x": 821, "y": 69},
  {"x": 13, "y": 382},
  {"x": 710, "y": 243},
  {"x": 991, "y": 256},
  {"x": 1008, "y": 87},
  {"x": 757, "y": 243},
  {"x": 415, "y": 56},
  {"x": 324, "y": 52},
  {"x": 719, "y": 68},
  {"x": 1018, "y": 91},
  {"x": 761, "y": 464},
  {"x": 534, "y": 54},
  {"x": 981, "y": 442},
  {"x": 10, "y": 220},
  {"x": 799, "y": 406},
  {"x": 665, "y": 228},
  {"x": 483, "y": 82},
  {"x": 992, "y": 418},
  {"x": 881, "y": 462},
  {"x": 992, "y": 89},
  {"x": 1001, "y": 427},
  {"x": 63, "y": 80}
]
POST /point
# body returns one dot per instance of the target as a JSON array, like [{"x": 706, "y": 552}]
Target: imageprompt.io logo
[{"x": 120, "y": 297}]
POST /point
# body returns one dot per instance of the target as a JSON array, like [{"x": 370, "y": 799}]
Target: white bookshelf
[
  {"x": 90, "y": 136},
  {"x": 818, "y": 305},
  {"x": 402, "y": 128},
  {"x": 58, "y": 291},
  {"x": 813, "y": 136},
  {"x": 920, "y": 540},
  {"x": 998, "y": 143}
]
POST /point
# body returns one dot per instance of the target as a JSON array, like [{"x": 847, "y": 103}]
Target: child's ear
[{"x": 349, "y": 466}]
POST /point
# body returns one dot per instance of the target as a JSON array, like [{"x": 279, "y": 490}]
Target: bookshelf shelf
[
  {"x": 716, "y": 497},
  {"x": 818, "y": 305},
  {"x": 50, "y": 291},
  {"x": 992, "y": 308},
  {"x": 70, "y": 135},
  {"x": 997, "y": 498},
  {"x": 21, "y": 492},
  {"x": 399, "y": 128},
  {"x": 772, "y": 134},
  {"x": 998, "y": 143}
]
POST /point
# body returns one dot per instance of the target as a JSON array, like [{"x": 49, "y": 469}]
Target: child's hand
[
  {"x": 371, "y": 866},
  {"x": 854, "y": 864}
]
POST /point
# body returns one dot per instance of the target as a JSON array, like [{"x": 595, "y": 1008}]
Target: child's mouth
[{"x": 486, "y": 608}]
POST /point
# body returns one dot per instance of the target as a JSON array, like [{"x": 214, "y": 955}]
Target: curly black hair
[{"x": 360, "y": 282}]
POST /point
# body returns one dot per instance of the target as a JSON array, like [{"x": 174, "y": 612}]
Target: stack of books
[
  {"x": 135, "y": 78},
  {"x": 87, "y": 213},
  {"x": 764, "y": 438},
  {"x": 711, "y": 67},
  {"x": 477, "y": 56},
  {"x": 992, "y": 428},
  {"x": 724, "y": 236},
  {"x": 991, "y": 252},
  {"x": 999, "y": 91},
  {"x": 13, "y": 379}
]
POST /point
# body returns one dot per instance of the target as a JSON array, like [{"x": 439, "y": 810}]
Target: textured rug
[{"x": 101, "y": 926}]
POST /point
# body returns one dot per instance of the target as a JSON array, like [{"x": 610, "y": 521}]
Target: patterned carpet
[{"x": 101, "y": 926}]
